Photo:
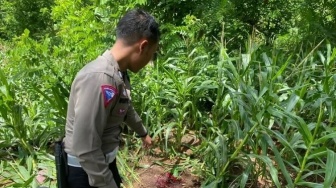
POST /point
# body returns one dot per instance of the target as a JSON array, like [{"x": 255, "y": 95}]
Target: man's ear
[{"x": 143, "y": 45}]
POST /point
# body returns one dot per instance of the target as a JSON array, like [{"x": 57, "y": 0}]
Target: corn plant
[
  {"x": 20, "y": 173},
  {"x": 169, "y": 96},
  {"x": 12, "y": 115},
  {"x": 145, "y": 97},
  {"x": 256, "y": 115}
]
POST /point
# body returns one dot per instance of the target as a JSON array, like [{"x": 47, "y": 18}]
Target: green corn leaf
[
  {"x": 203, "y": 57},
  {"x": 245, "y": 176},
  {"x": 51, "y": 101},
  {"x": 212, "y": 184},
  {"x": 232, "y": 69},
  {"x": 261, "y": 94},
  {"x": 158, "y": 131},
  {"x": 283, "y": 67},
  {"x": 103, "y": 2},
  {"x": 206, "y": 85},
  {"x": 268, "y": 63},
  {"x": 140, "y": 2},
  {"x": 171, "y": 99},
  {"x": 279, "y": 161},
  {"x": 317, "y": 153},
  {"x": 310, "y": 184},
  {"x": 168, "y": 130},
  {"x": 218, "y": 154},
  {"x": 17, "y": 184},
  {"x": 29, "y": 181},
  {"x": 313, "y": 164},
  {"x": 328, "y": 54},
  {"x": 275, "y": 112},
  {"x": 314, "y": 173},
  {"x": 24, "y": 173},
  {"x": 3, "y": 78},
  {"x": 292, "y": 102},
  {"x": 246, "y": 59},
  {"x": 322, "y": 58},
  {"x": 283, "y": 141},
  {"x": 224, "y": 148},
  {"x": 325, "y": 138},
  {"x": 187, "y": 104},
  {"x": 29, "y": 163},
  {"x": 304, "y": 130},
  {"x": 330, "y": 171},
  {"x": 60, "y": 100}
]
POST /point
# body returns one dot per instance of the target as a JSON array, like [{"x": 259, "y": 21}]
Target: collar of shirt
[
  {"x": 107, "y": 55},
  {"x": 123, "y": 74}
]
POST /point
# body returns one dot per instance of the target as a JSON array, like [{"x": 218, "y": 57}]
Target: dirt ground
[
  {"x": 157, "y": 176},
  {"x": 156, "y": 171}
]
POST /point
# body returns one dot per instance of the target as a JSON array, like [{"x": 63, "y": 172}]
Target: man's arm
[
  {"x": 134, "y": 121},
  {"x": 132, "y": 118}
]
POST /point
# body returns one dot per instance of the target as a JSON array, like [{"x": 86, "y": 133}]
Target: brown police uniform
[{"x": 99, "y": 103}]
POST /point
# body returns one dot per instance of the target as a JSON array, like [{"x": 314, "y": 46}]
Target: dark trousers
[{"x": 77, "y": 177}]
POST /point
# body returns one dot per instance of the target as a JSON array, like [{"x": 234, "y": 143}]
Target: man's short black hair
[{"x": 137, "y": 24}]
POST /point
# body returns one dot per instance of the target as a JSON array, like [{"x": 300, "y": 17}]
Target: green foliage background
[{"x": 254, "y": 81}]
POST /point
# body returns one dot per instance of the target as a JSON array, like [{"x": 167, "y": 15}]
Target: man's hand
[{"x": 146, "y": 141}]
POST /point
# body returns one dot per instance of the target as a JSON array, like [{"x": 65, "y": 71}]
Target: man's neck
[{"x": 120, "y": 53}]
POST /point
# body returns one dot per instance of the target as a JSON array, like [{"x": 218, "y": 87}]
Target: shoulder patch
[{"x": 109, "y": 93}]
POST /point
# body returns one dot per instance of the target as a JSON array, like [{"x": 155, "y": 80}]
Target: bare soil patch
[
  {"x": 156, "y": 171},
  {"x": 157, "y": 174}
]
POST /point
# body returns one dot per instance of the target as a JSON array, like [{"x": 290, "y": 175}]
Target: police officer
[{"x": 100, "y": 102}]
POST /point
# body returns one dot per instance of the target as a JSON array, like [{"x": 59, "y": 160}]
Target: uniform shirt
[{"x": 99, "y": 103}]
